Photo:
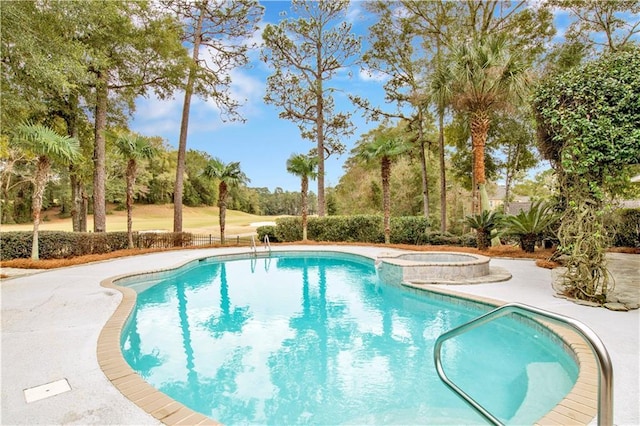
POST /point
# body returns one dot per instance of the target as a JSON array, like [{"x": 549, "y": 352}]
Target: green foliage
[
  {"x": 484, "y": 223},
  {"x": 60, "y": 245},
  {"x": 305, "y": 54},
  {"x": 589, "y": 128},
  {"x": 289, "y": 229},
  {"x": 357, "y": 228},
  {"x": 624, "y": 224},
  {"x": 63, "y": 245},
  {"x": 589, "y": 121},
  {"x": 346, "y": 228},
  {"x": 267, "y": 230},
  {"x": 449, "y": 239},
  {"x": 612, "y": 25},
  {"x": 530, "y": 226},
  {"x": 409, "y": 229}
]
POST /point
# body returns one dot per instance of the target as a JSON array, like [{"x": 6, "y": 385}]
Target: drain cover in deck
[{"x": 47, "y": 390}]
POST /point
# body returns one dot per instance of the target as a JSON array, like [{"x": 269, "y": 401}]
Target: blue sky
[{"x": 264, "y": 142}]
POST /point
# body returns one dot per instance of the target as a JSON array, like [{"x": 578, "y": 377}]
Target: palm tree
[
  {"x": 133, "y": 148},
  {"x": 304, "y": 167},
  {"x": 229, "y": 175},
  {"x": 481, "y": 77},
  {"x": 385, "y": 146},
  {"x": 47, "y": 147}
]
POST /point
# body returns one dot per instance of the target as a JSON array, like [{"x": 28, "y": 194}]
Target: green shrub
[
  {"x": 531, "y": 226},
  {"x": 15, "y": 245},
  {"x": 409, "y": 229},
  {"x": 357, "y": 228},
  {"x": 624, "y": 224},
  {"x": 360, "y": 228},
  {"x": 484, "y": 223},
  {"x": 289, "y": 229},
  {"x": 60, "y": 245},
  {"x": 267, "y": 230}
]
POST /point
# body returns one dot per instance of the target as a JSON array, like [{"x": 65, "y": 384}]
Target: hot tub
[{"x": 437, "y": 267}]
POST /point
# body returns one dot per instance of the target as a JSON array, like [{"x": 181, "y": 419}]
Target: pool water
[{"x": 317, "y": 338}]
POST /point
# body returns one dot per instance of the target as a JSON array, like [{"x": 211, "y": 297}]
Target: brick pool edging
[{"x": 578, "y": 407}]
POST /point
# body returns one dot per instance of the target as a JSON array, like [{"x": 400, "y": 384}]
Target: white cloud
[
  {"x": 372, "y": 75},
  {"x": 354, "y": 13}
]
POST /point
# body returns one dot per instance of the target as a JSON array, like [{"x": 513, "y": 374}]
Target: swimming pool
[{"x": 316, "y": 337}]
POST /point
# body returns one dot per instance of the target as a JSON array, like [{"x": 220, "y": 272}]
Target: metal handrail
[
  {"x": 253, "y": 246},
  {"x": 267, "y": 244},
  {"x": 605, "y": 369}
]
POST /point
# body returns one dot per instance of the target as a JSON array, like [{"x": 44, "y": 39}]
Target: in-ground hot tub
[{"x": 438, "y": 267}]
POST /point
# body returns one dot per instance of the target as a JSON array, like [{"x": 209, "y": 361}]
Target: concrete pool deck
[{"x": 51, "y": 322}]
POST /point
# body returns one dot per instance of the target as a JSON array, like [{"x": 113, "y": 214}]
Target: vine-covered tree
[
  {"x": 306, "y": 53},
  {"x": 219, "y": 30},
  {"x": 229, "y": 175},
  {"x": 304, "y": 167},
  {"x": 46, "y": 147},
  {"x": 589, "y": 128}
]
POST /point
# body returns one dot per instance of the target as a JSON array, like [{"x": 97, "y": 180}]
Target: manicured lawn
[{"x": 199, "y": 220}]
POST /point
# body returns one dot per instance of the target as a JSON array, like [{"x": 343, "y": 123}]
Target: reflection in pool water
[{"x": 315, "y": 338}]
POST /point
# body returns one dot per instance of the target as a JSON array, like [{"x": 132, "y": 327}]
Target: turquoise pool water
[{"x": 317, "y": 338}]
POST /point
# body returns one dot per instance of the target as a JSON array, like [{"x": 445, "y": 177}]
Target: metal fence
[{"x": 186, "y": 239}]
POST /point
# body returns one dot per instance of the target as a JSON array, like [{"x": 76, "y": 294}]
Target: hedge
[
  {"x": 60, "y": 245},
  {"x": 625, "y": 227},
  {"x": 268, "y": 230},
  {"x": 358, "y": 228}
]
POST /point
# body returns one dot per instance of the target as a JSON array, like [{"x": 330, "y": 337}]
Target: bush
[
  {"x": 358, "y": 228},
  {"x": 15, "y": 245},
  {"x": 409, "y": 229},
  {"x": 268, "y": 230},
  {"x": 484, "y": 223},
  {"x": 531, "y": 226},
  {"x": 448, "y": 239},
  {"x": 289, "y": 229},
  {"x": 60, "y": 245},
  {"x": 624, "y": 224}
]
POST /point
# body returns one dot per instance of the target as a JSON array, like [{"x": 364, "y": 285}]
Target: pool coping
[{"x": 578, "y": 407}]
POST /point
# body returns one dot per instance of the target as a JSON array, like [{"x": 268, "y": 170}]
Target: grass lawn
[{"x": 198, "y": 220}]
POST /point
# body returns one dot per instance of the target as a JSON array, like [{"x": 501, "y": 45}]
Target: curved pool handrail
[
  {"x": 605, "y": 368},
  {"x": 267, "y": 244}
]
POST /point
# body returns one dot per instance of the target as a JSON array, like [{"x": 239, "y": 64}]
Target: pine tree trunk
[
  {"x": 178, "y": 187},
  {"x": 320, "y": 147},
  {"x": 423, "y": 168},
  {"x": 99, "y": 156},
  {"x": 76, "y": 199},
  {"x": 385, "y": 171}
]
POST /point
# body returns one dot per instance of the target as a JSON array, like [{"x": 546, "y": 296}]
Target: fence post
[{"x": 238, "y": 240}]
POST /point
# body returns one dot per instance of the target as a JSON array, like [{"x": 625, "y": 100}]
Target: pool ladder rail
[
  {"x": 267, "y": 245},
  {"x": 605, "y": 369}
]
